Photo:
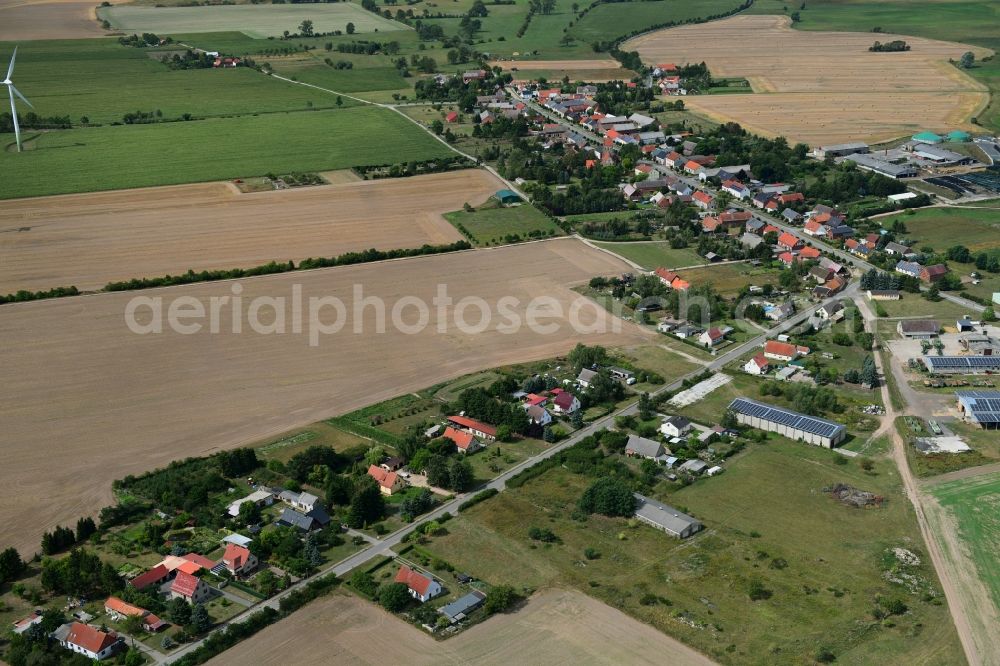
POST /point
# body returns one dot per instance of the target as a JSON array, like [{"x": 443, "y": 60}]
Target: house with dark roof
[
  {"x": 640, "y": 447},
  {"x": 675, "y": 426},
  {"x": 665, "y": 518},
  {"x": 307, "y": 522},
  {"x": 422, "y": 588},
  {"x": 795, "y": 426},
  {"x": 910, "y": 268},
  {"x": 565, "y": 403},
  {"x": 918, "y": 328}
]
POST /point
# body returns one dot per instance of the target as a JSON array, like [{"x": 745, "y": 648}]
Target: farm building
[
  {"x": 927, "y": 137},
  {"x": 507, "y": 197},
  {"x": 918, "y": 328},
  {"x": 641, "y": 447},
  {"x": 883, "y": 294},
  {"x": 871, "y": 163},
  {"x": 460, "y": 608},
  {"x": 665, "y": 518},
  {"x": 980, "y": 407},
  {"x": 961, "y": 365},
  {"x": 785, "y": 422},
  {"x": 841, "y": 149},
  {"x": 958, "y": 136},
  {"x": 477, "y": 428}
]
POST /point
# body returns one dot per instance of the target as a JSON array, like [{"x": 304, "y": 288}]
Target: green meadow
[
  {"x": 940, "y": 228},
  {"x": 101, "y": 80},
  {"x": 655, "y": 254},
  {"x": 823, "y": 565},
  {"x": 108, "y": 158},
  {"x": 975, "y": 504},
  {"x": 612, "y": 20}
]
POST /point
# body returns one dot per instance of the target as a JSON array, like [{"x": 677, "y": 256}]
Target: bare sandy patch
[
  {"x": 553, "y": 627},
  {"x": 86, "y": 401},
  {"x": 88, "y": 240},
  {"x": 821, "y": 87}
]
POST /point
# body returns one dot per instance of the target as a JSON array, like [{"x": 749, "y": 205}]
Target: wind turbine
[{"x": 11, "y": 90}]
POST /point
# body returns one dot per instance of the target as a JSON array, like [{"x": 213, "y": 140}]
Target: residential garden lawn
[
  {"x": 689, "y": 119},
  {"x": 728, "y": 279},
  {"x": 941, "y": 228},
  {"x": 493, "y": 225},
  {"x": 255, "y": 20},
  {"x": 974, "y": 503},
  {"x": 665, "y": 363},
  {"x": 102, "y": 80},
  {"x": 655, "y": 254},
  {"x": 221, "y": 609},
  {"x": 450, "y": 391},
  {"x": 105, "y": 158},
  {"x": 768, "y": 519},
  {"x": 967, "y": 21},
  {"x": 426, "y": 114},
  {"x": 498, "y": 457}
]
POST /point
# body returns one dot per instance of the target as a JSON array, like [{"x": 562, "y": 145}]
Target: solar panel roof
[{"x": 785, "y": 417}]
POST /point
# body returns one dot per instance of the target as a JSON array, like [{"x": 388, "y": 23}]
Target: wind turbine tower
[{"x": 11, "y": 90}]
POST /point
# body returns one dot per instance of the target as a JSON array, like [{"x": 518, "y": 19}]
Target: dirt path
[
  {"x": 967, "y": 599},
  {"x": 554, "y": 627}
]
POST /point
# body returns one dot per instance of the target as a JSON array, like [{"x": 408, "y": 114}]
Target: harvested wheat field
[
  {"x": 88, "y": 240},
  {"x": 81, "y": 388},
  {"x": 22, "y": 20},
  {"x": 553, "y": 627},
  {"x": 822, "y": 87}
]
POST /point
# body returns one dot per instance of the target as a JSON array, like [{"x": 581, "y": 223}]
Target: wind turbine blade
[
  {"x": 23, "y": 98},
  {"x": 10, "y": 69},
  {"x": 13, "y": 113}
]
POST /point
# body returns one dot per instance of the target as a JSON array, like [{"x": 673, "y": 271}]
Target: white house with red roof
[
  {"x": 783, "y": 351},
  {"x": 713, "y": 336},
  {"x": 89, "y": 641},
  {"x": 422, "y": 588},
  {"x": 565, "y": 403},
  {"x": 464, "y": 441},
  {"x": 702, "y": 199},
  {"x": 789, "y": 241},
  {"x": 238, "y": 560},
  {"x": 758, "y": 365},
  {"x": 190, "y": 588},
  {"x": 477, "y": 428},
  {"x": 154, "y": 576},
  {"x": 388, "y": 482}
]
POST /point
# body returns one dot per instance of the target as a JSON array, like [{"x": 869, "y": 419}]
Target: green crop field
[
  {"x": 490, "y": 226},
  {"x": 968, "y": 21},
  {"x": 768, "y": 519},
  {"x": 255, "y": 20},
  {"x": 128, "y": 156},
  {"x": 975, "y": 504},
  {"x": 101, "y": 80},
  {"x": 655, "y": 254},
  {"x": 940, "y": 228}
]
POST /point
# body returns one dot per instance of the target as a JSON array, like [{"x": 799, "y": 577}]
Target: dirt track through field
[
  {"x": 553, "y": 627},
  {"x": 86, "y": 401},
  {"x": 88, "y": 240},
  {"x": 23, "y": 20},
  {"x": 822, "y": 87}
]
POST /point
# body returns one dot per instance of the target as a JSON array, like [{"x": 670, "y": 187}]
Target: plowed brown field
[
  {"x": 86, "y": 401},
  {"x": 22, "y": 20},
  {"x": 553, "y": 627},
  {"x": 88, "y": 240},
  {"x": 822, "y": 87}
]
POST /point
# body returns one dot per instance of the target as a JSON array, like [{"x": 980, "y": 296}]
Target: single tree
[
  {"x": 200, "y": 621},
  {"x": 350, "y": 28},
  {"x": 967, "y": 60},
  {"x": 394, "y": 597}
]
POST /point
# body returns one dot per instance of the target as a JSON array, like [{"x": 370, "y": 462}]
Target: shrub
[
  {"x": 757, "y": 592},
  {"x": 591, "y": 554}
]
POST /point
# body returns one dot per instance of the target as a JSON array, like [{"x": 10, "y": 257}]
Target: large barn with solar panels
[
  {"x": 965, "y": 365},
  {"x": 785, "y": 422},
  {"x": 980, "y": 407}
]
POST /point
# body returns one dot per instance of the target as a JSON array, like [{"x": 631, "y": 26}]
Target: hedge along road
[
  {"x": 383, "y": 548},
  {"x": 392, "y": 107}
]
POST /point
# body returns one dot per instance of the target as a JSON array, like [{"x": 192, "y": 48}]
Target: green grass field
[
  {"x": 255, "y": 20},
  {"x": 940, "y": 228},
  {"x": 728, "y": 279},
  {"x": 102, "y": 80},
  {"x": 609, "y": 21},
  {"x": 491, "y": 226},
  {"x": 110, "y": 158},
  {"x": 968, "y": 21},
  {"x": 975, "y": 504},
  {"x": 655, "y": 254},
  {"x": 767, "y": 518}
]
